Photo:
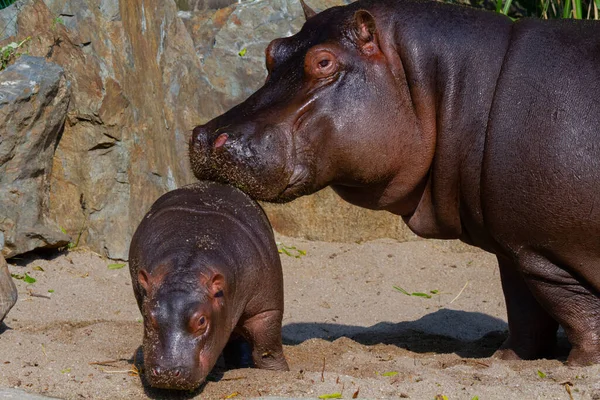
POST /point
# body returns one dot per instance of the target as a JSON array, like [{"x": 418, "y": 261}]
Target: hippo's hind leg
[
  {"x": 532, "y": 331},
  {"x": 572, "y": 303},
  {"x": 264, "y": 334}
]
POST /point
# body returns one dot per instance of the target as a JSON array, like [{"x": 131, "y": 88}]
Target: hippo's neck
[{"x": 451, "y": 58}]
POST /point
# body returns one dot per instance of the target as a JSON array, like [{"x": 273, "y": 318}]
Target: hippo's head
[
  {"x": 184, "y": 327},
  {"x": 335, "y": 110}
]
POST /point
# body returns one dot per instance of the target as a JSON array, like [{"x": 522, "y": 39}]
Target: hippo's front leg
[
  {"x": 532, "y": 331},
  {"x": 570, "y": 302},
  {"x": 264, "y": 334}
]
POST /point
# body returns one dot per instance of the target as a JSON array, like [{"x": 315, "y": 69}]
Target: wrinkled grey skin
[
  {"x": 204, "y": 266},
  {"x": 460, "y": 121}
]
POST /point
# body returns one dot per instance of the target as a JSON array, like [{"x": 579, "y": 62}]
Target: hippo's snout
[{"x": 176, "y": 377}]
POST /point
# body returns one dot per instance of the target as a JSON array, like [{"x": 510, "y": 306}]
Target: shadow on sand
[{"x": 468, "y": 334}]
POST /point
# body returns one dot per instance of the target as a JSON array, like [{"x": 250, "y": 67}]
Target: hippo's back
[{"x": 207, "y": 217}]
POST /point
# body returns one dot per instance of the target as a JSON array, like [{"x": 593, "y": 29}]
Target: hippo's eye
[
  {"x": 199, "y": 324},
  {"x": 320, "y": 63}
]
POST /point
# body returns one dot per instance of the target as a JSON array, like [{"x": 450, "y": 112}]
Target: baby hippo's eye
[
  {"x": 199, "y": 323},
  {"x": 323, "y": 63}
]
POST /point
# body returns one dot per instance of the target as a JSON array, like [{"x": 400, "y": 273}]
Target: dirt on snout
[{"x": 76, "y": 332}]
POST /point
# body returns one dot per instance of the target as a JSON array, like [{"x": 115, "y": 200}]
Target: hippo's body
[
  {"x": 462, "y": 122},
  {"x": 204, "y": 265}
]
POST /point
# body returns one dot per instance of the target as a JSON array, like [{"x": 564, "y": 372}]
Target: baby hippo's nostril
[
  {"x": 177, "y": 372},
  {"x": 156, "y": 371},
  {"x": 220, "y": 140}
]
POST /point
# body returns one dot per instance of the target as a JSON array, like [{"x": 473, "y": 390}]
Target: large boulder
[
  {"x": 137, "y": 91},
  {"x": 34, "y": 96}
]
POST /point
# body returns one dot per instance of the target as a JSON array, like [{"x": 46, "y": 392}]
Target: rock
[
  {"x": 137, "y": 91},
  {"x": 8, "y": 290},
  {"x": 201, "y": 5},
  {"x": 34, "y": 96}
]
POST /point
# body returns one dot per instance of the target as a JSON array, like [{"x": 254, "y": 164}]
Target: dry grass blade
[
  {"x": 323, "y": 371},
  {"x": 567, "y": 386},
  {"x": 104, "y": 363},
  {"x": 459, "y": 293}
]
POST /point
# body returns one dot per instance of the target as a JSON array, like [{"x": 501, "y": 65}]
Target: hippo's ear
[
  {"x": 216, "y": 285},
  {"x": 308, "y": 12},
  {"x": 144, "y": 279},
  {"x": 365, "y": 32}
]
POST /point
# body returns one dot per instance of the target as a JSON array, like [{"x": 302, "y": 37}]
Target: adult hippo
[{"x": 464, "y": 123}]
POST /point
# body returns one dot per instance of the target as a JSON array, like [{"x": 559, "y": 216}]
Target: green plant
[
  {"x": 550, "y": 9},
  {"x": 57, "y": 21},
  {"x": 6, "y": 3},
  {"x": 10, "y": 52}
]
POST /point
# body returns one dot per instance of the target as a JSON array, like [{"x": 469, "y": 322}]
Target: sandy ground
[{"x": 346, "y": 330}]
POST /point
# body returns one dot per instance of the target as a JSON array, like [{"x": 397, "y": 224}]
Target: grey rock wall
[{"x": 34, "y": 97}]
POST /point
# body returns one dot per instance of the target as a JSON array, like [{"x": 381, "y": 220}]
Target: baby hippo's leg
[{"x": 264, "y": 334}]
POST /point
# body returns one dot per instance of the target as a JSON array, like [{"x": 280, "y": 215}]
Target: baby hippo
[{"x": 205, "y": 267}]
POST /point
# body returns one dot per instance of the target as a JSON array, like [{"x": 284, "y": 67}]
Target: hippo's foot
[
  {"x": 580, "y": 357},
  {"x": 264, "y": 329},
  {"x": 568, "y": 299},
  {"x": 525, "y": 350},
  {"x": 532, "y": 330}
]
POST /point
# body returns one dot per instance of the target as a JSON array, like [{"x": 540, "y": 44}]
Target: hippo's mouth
[{"x": 296, "y": 184}]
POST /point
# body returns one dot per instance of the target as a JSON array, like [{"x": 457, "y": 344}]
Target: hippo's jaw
[
  {"x": 181, "y": 366},
  {"x": 256, "y": 159}
]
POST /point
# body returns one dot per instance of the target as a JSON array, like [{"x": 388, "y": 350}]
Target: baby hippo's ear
[
  {"x": 144, "y": 279},
  {"x": 216, "y": 285}
]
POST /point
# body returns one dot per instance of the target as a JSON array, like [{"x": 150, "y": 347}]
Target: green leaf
[
  {"x": 242, "y": 52},
  {"x": 38, "y": 268},
  {"x": 475, "y": 398},
  {"x": 434, "y": 291},
  {"x": 541, "y": 374},
  {"x": 290, "y": 250},
  {"x": 398, "y": 288},
  {"x": 419, "y": 294},
  {"x": 63, "y": 230},
  {"x": 391, "y": 373},
  {"x": 284, "y": 251},
  {"x": 28, "y": 278},
  {"x": 506, "y": 7},
  {"x": 50, "y": 290},
  {"x": 65, "y": 371},
  {"x": 331, "y": 396},
  {"x": 567, "y": 9},
  {"x": 116, "y": 266}
]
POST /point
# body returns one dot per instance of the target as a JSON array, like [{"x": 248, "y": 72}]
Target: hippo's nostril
[
  {"x": 220, "y": 140},
  {"x": 177, "y": 372},
  {"x": 156, "y": 371}
]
